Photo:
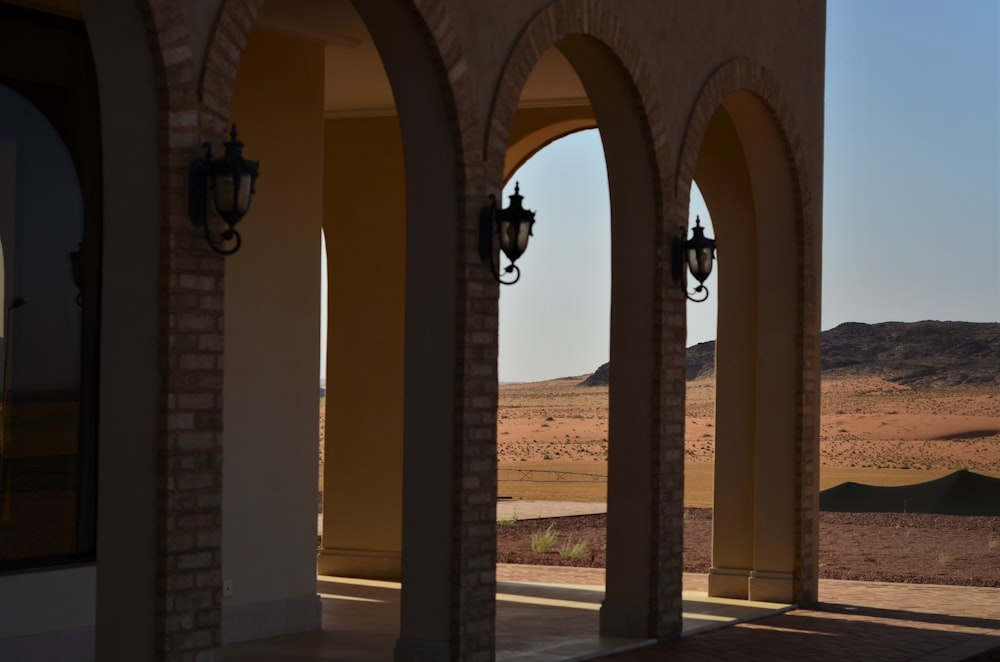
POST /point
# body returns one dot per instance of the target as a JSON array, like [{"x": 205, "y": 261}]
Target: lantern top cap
[
  {"x": 516, "y": 197},
  {"x": 234, "y": 146}
]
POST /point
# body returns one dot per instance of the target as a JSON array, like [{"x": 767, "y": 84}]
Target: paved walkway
[
  {"x": 854, "y": 621},
  {"x": 511, "y": 509}
]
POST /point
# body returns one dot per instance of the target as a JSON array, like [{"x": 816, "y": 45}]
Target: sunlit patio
[{"x": 536, "y": 621}]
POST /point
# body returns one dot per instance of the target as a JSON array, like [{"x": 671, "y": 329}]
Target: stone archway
[
  {"x": 646, "y": 437},
  {"x": 442, "y": 430},
  {"x": 742, "y": 148}
]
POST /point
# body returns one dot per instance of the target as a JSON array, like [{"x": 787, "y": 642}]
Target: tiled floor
[
  {"x": 558, "y": 621},
  {"x": 549, "y": 613},
  {"x": 535, "y": 621}
]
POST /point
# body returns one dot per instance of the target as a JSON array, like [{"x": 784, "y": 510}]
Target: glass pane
[
  {"x": 506, "y": 236},
  {"x": 246, "y": 183},
  {"x": 41, "y": 224},
  {"x": 700, "y": 262},
  {"x": 225, "y": 195}
]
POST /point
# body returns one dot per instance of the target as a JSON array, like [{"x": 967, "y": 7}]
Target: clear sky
[{"x": 911, "y": 192}]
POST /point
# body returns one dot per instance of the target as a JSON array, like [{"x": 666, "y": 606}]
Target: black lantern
[
  {"x": 698, "y": 252},
  {"x": 232, "y": 181},
  {"x": 513, "y": 225}
]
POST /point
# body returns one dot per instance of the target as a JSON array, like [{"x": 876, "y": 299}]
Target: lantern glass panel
[
  {"x": 506, "y": 235},
  {"x": 224, "y": 192},
  {"x": 230, "y": 197},
  {"x": 700, "y": 262},
  {"x": 243, "y": 194},
  {"x": 524, "y": 231}
]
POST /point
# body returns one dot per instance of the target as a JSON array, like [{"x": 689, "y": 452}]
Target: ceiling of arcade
[{"x": 356, "y": 85}]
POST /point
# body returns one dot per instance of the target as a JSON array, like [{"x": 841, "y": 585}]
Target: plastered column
[
  {"x": 724, "y": 181},
  {"x": 365, "y": 226},
  {"x": 775, "y": 466},
  {"x": 736, "y": 439}
]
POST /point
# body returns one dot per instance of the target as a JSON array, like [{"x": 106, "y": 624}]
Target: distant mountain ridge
[{"x": 927, "y": 354}]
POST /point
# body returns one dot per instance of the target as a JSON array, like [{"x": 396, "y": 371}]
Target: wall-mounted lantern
[
  {"x": 232, "y": 181},
  {"x": 698, "y": 252},
  {"x": 513, "y": 225}
]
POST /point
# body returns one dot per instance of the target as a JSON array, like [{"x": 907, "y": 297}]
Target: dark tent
[{"x": 959, "y": 493}]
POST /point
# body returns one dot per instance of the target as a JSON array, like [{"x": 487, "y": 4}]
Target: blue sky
[{"x": 911, "y": 192}]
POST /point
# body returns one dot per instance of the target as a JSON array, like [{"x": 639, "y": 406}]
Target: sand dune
[{"x": 959, "y": 493}]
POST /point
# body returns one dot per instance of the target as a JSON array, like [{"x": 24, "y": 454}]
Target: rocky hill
[{"x": 919, "y": 354}]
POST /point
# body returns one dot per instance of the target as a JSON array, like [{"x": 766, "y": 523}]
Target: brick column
[{"x": 192, "y": 289}]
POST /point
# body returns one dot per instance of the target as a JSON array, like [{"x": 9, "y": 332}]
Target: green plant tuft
[
  {"x": 542, "y": 542},
  {"x": 573, "y": 550},
  {"x": 509, "y": 522}
]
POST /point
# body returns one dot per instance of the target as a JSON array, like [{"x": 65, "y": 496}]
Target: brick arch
[
  {"x": 195, "y": 105},
  {"x": 736, "y": 75},
  {"x": 602, "y": 49},
  {"x": 744, "y": 75},
  {"x": 447, "y": 48},
  {"x": 189, "y": 468},
  {"x": 441, "y": 52},
  {"x": 222, "y": 60},
  {"x": 565, "y": 18}
]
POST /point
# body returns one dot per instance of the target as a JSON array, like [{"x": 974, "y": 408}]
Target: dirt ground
[
  {"x": 865, "y": 423},
  {"x": 872, "y": 431},
  {"x": 910, "y": 548}
]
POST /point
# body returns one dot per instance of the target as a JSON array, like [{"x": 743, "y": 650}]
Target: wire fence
[{"x": 548, "y": 476}]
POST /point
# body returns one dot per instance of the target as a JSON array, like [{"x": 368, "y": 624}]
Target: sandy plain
[{"x": 871, "y": 431}]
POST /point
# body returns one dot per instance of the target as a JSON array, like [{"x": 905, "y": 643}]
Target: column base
[
  {"x": 728, "y": 583},
  {"x": 360, "y": 563},
  {"x": 258, "y": 620},
  {"x": 421, "y": 650},
  {"x": 771, "y": 587},
  {"x": 619, "y": 618}
]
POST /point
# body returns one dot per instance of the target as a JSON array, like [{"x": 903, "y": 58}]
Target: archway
[
  {"x": 371, "y": 168},
  {"x": 761, "y": 525},
  {"x": 333, "y": 164},
  {"x": 643, "y": 570}
]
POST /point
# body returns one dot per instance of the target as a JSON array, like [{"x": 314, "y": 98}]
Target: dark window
[{"x": 49, "y": 271}]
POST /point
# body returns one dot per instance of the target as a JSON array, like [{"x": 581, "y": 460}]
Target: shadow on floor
[{"x": 538, "y": 622}]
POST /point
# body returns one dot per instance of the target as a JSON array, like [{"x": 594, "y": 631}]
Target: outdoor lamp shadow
[
  {"x": 698, "y": 252},
  {"x": 512, "y": 225},
  {"x": 232, "y": 181}
]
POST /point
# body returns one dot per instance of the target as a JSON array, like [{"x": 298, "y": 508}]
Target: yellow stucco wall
[
  {"x": 365, "y": 224},
  {"x": 272, "y": 328}
]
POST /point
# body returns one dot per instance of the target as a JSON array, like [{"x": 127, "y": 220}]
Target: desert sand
[{"x": 872, "y": 431}]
